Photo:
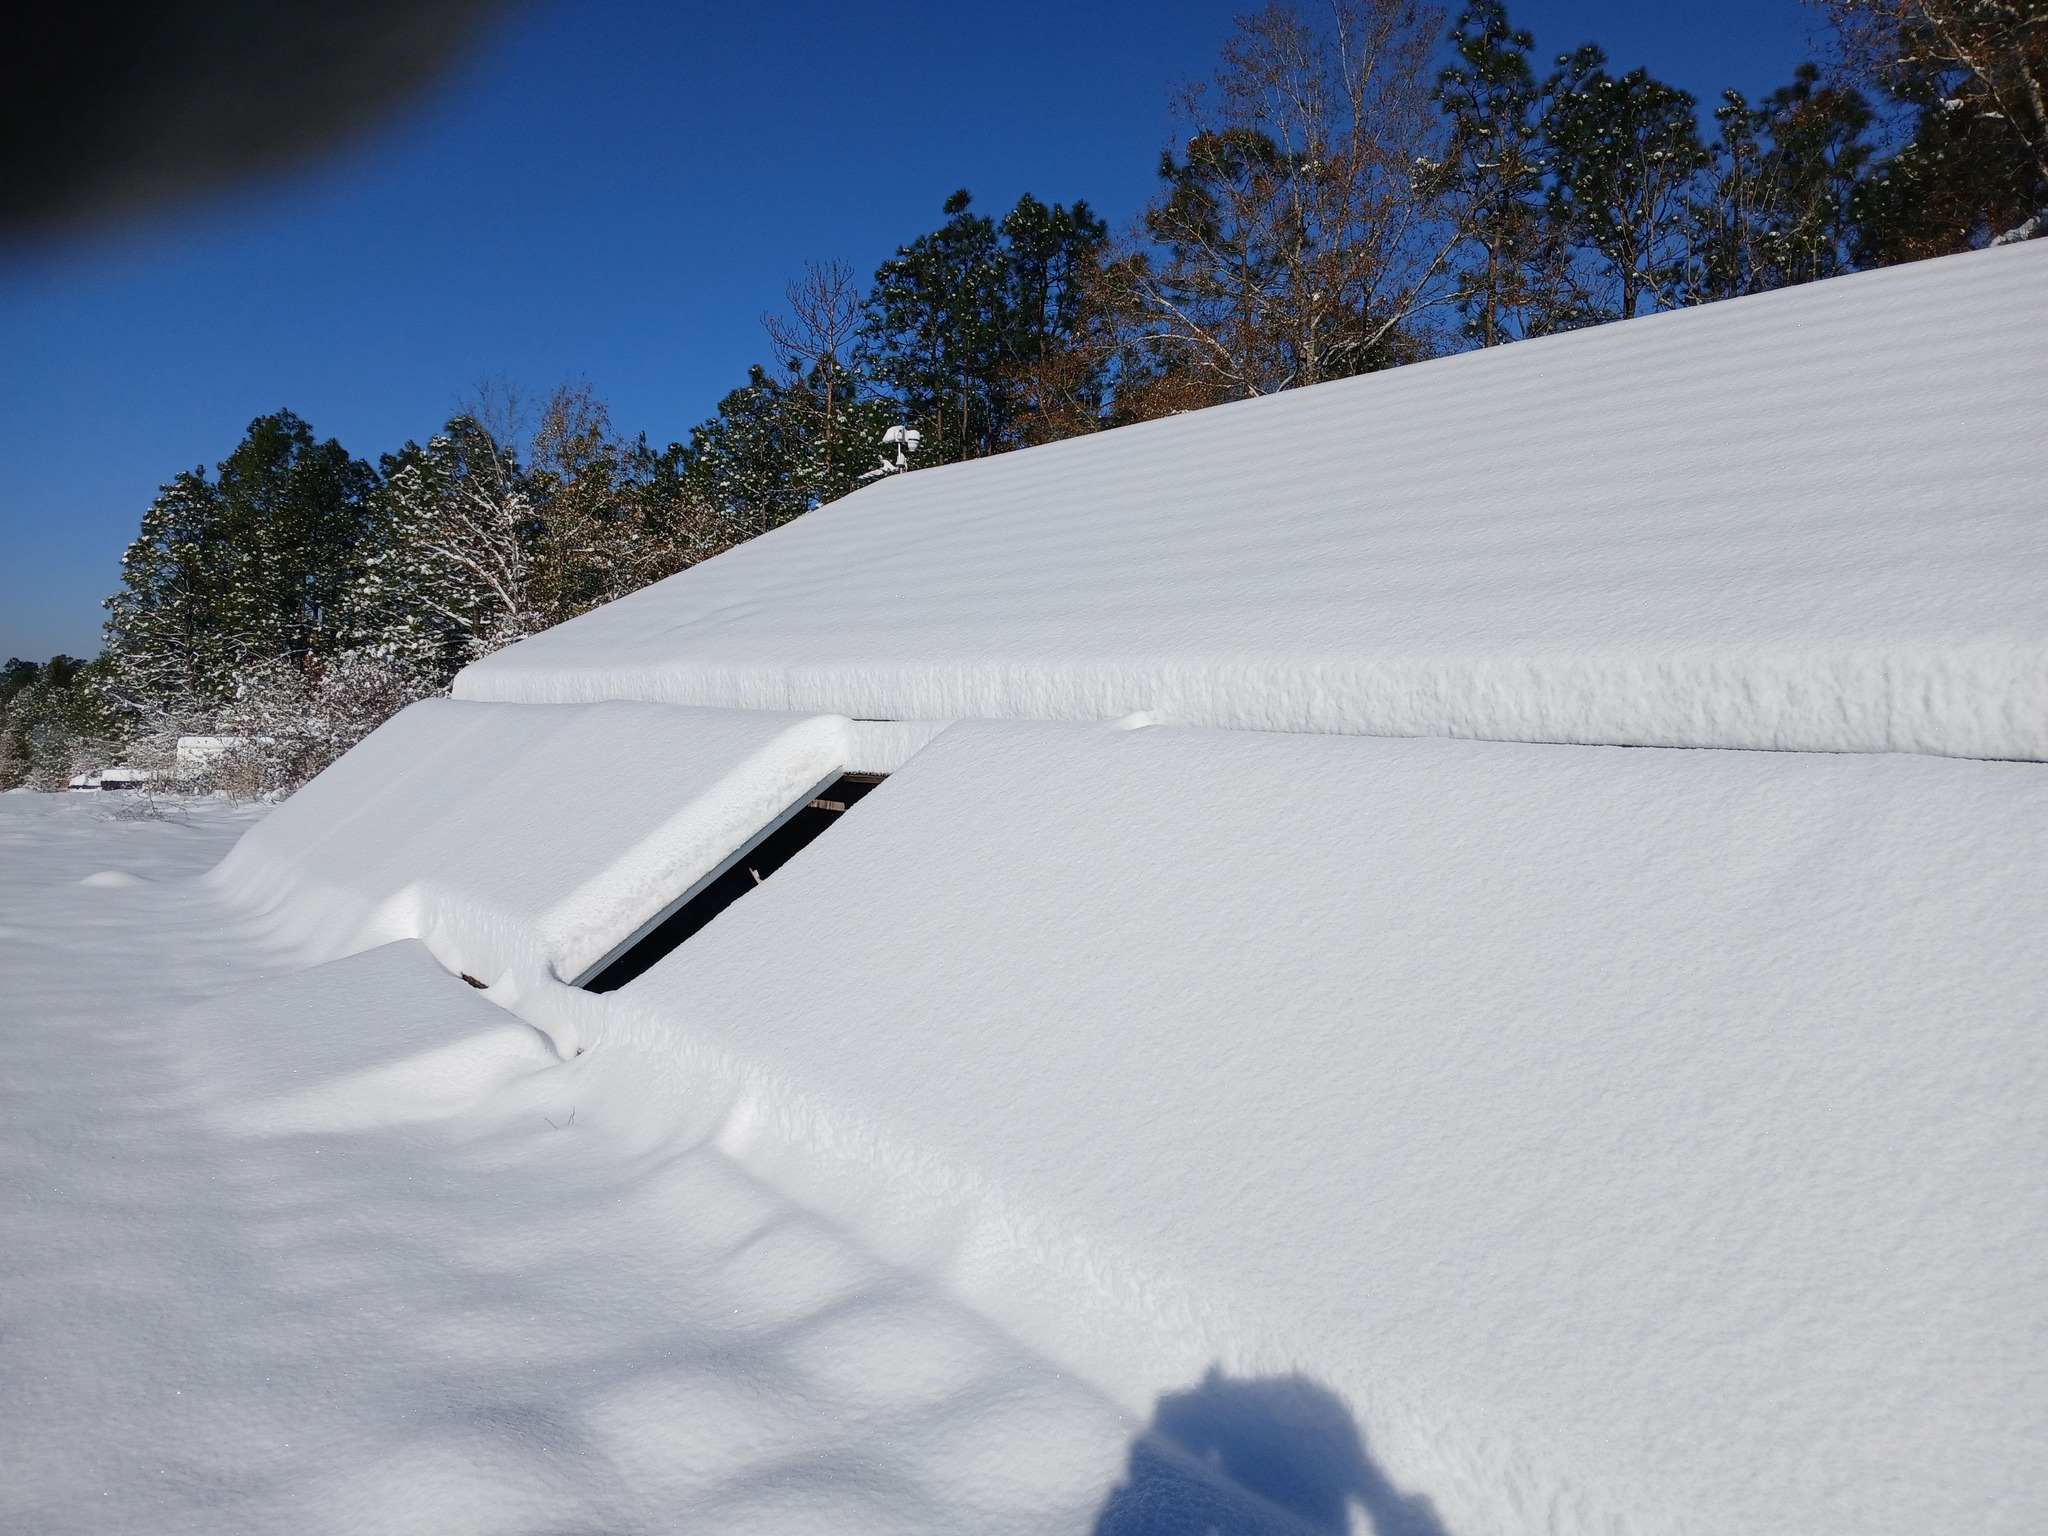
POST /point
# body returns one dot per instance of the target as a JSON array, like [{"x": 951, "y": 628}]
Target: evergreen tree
[
  {"x": 172, "y": 622},
  {"x": 1053, "y": 262},
  {"x": 777, "y": 447},
  {"x": 1625, "y": 157},
  {"x": 57, "y": 718},
  {"x": 935, "y": 334},
  {"x": 1514, "y": 277},
  {"x": 674, "y": 524},
  {"x": 748, "y": 458},
  {"x": 257, "y": 564},
  {"x": 16, "y": 678},
  {"x": 1781, "y": 206},
  {"x": 958, "y": 318}
]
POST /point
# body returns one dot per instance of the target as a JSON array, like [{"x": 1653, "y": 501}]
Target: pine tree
[
  {"x": 778, "y": 447},
  {"x": 171, "y": 622},
  {"x": 1053, "y": 265},
  {"x": 1514, "y": 275},
  {"x": 1781, "y": 206},
  {"x": 1973, "y": 78},
  {"x": 936, "y": 336},
  {"x": 1625, "y": 161},
  {"x": 257, "y": 564},
  {"x": 57, "y": 718},
  {"x": 959, "y": 320},
  {"x": 748, "y": 459}
]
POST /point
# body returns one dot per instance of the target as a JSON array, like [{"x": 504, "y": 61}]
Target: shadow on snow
[{"x": 1271, "y": 1456}]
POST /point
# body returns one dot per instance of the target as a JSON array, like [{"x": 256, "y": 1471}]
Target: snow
[
  {"x": 618, "y": 806},
  {"x": 349, "y": 1249},
  {"x": 111, "y": 779},
  {"x": 1808, "y": 520},
  {"x": 1599, "y": 1138},
  {"x": 1630, "y": 1140}
]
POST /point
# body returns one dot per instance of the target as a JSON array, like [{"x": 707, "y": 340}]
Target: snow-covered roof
[
  {"x": 537, "y": 839},
  {"x": 1642, "y": 1140},
  {"x": 1653, "y": 1134},
  {"x": 1812, "y": 519},
  {"x": 1638, "y": 1140}
]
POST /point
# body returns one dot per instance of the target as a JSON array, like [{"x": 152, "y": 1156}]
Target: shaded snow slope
[
  {"x": 347, "y": 1250},
  {"x": 1813, "y": 519},
  {"x": 508, "y": 838},
  {"x": 1642, "y": 1141}
]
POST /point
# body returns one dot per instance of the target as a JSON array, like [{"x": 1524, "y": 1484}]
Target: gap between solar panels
[{"x": 750, "y": 865}]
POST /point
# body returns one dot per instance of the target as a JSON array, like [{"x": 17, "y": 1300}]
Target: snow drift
[
  {"x": 1813, "y": 520},
  {"x": 332, "y": 1252},
  {"x": 530, "y": 841},
  {"x": 1624, "y": 1140},
  {"x": 1635, "y": 1140}
]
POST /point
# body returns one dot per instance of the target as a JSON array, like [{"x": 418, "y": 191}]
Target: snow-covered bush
[
  {"x": 57, "y": 719},
  {"x": 286, "y": 723}
]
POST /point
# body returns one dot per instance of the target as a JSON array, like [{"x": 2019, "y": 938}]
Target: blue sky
[{"x": 610, "y": 191}]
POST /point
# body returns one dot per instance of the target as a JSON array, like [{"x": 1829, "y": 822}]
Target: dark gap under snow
[{"x": 747, "y": 869}]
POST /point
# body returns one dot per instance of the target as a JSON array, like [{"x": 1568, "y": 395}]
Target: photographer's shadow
[{"x": 1272, "y": 1456}]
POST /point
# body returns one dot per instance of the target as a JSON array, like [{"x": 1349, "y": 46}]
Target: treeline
[
  {"x": 296, "y": 597},
  {"x": 1362, "y": 183}
]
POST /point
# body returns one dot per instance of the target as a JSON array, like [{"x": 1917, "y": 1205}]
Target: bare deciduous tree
[
  {"x": 814, "y": 342},
  {"x": 1300, "y": 239},
  {"x": 613, "y": 514},
  {"x": 1993, "y": 53},
  {"x": 1976, "y": 160}
]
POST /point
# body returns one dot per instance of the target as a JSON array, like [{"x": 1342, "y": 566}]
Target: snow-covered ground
[{"x": 351, "y": 1250}]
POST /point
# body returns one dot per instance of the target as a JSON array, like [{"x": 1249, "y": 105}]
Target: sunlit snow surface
[
  {"x": 451, "y": 825},
  {"x": 351, "y": 1251},
  {"x": 1442, "y": 1138},
  {"x": 1807, "y": 520}
]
